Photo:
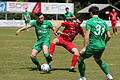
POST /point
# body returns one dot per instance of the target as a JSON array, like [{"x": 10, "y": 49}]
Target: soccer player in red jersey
[
  {"x": 114, "y": 16},
  {"x": 66, "y": 37}
]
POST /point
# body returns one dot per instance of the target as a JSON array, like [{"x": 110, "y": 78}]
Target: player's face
[
  {"x": 113, "y": 10},
  {"x": 78, "y": 22},
  {"x": 41, "y": 18},
  {"x": 67, "y": 10},
  {"x": 26, "y": 9}
]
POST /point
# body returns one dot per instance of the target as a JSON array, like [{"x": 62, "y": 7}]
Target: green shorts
[
  {"x": 39, "y": 44},
  {"x": 28, "y": 21},
  {"x": 96, "y": 53}
]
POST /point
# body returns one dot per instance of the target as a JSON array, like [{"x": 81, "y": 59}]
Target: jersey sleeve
[
  {"x": 65, "y": 24},
  {"x": 116, "y": 14},
  {"x": 50, "y": 25},
  {"x": 72, "y": 14},
  {"x": 110, "y": 15},
  {"x": 88, "y": 26},
  {"x": 33, "y": 23}
]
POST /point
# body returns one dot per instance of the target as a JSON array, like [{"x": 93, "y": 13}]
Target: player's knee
[
  {"x": 75, "y": 51},
  {"x": 55, "y": 41},
  {"x": 80, "y": 58},
  {"x": 32, "y": 56}
]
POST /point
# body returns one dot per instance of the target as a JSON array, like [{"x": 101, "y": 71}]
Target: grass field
[{"x": 15, "y": 63}]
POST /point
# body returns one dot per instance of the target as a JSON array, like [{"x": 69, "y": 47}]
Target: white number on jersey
[{"x": 98, "y": 30}]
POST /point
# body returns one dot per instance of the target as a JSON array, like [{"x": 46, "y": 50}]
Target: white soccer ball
[{"x": 45, "y": 67}]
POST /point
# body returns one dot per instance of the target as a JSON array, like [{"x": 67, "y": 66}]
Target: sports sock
[
  {"x": 36, "y": 62},
  {"x": 103, "y": 66},
  {"x": 74, "y": 60},
  {"x": 81, "y": 67},
  {"x": 52, "y": 48},
  {"x": 116, "y": 29},
  {"x": 47, "y": 56}
]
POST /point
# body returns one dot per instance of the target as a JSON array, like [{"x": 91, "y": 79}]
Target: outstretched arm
[
  {"x": 86, "y": 40},
  {"x": 23, "y": 28}
]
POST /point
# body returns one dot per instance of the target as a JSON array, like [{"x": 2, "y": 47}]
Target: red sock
[
  {"x": 116, "y": 29},
  {"x": 74, "y": 60},
  {"x": 52, "y": 48}
]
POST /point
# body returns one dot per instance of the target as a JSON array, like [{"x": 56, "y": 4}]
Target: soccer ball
[{"x": 45, "y": 67}]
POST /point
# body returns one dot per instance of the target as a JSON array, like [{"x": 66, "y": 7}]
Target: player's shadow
[
  {"x": 29, "y": 68},
  {"x": 36, "y": 69},
  {"x": 54, "y": 69}
]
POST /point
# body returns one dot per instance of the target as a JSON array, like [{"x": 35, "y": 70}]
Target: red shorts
[
  {"x": 114, "y": 23},
  {"x": 66, "y": 44}
]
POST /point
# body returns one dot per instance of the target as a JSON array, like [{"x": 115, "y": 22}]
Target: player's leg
[
  {"x": 102, "y": 65},
  {"x": 73, "y": 49},
  {"x": 74, "y": 59},
  {"x": 113, "y": 28},
  {"x": 104, "y": 68},
  {"x": 81, "y": 65},
  {"x": 34, "y": 58},
  {"x": 116, "y": 32},
  {"x": 52, "y": 46},
  {"x": 46, "y": 54},
  {"x": 27, "y": 25},
  {"x": 81, "y": 68}
]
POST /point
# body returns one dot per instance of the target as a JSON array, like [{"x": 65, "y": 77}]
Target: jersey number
[{"x": 99, "y": 31}]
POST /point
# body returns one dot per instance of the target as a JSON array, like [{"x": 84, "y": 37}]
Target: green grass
[{"x": 15, "y": 63}]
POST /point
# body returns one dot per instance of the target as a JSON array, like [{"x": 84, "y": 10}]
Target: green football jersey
[
  {"x": 42, "y": 29},
  {"x": 98, "y": 28},
  {"x": 27, "y": 15},
  {"x": 68, "y": 15}
]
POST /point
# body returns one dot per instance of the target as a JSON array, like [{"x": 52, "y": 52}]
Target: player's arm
[
  {"x": 58, "y": 27},
  {"x": 25, "y": 17},
  {"x": 82, "y": 32},
  {"x": 107, "y": 31},
  {"x": 118, "y": 19},
  {"x": 86, "y": 40},
  {"x": 73, "y": 16},
  {"x": 29, "y": 17},
  {"x": 108, "y": 36},
  {"x": 23, "y": 28}
]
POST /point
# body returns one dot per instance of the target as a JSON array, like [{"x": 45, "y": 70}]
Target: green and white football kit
[
  {"x": 27, "y": 17},
  {"x": 42, "y": 33},
  {"x": 67, "y": 15},
  {"x": 96, "y": 45}
]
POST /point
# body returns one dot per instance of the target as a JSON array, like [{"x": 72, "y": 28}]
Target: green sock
[
  {"x": 103, "y": 66},
  {"x": 36, "y": 62},
  {"x": 47, "y": 59},
  {"x": 81, "y": 67}
]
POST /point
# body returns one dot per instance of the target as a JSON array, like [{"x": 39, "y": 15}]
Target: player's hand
[
  {"x": 17, "y": 32},
  {"x": 65, "y": 34},
  {"x": 83, "y": 50},
  {"x": 70, "y": 17}
]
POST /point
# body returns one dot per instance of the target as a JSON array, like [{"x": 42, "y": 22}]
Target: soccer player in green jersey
[
  {"x": 94, "y": 43},
  {"x": 27, "y": 17},
  {"x": 68, "y": 16},
  {"x": 42, "y": 28}
]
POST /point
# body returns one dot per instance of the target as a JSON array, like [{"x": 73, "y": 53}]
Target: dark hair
[
  {"x": 80, "y": 19},
  {"x": 66, "y": 8},
  {"x": 94, "y": 10},
  {"x": 39, "y": 14}
]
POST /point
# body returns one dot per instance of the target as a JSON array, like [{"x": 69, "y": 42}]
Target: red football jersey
[
  {"x": 113, "y": 16},
  {"x": 71, "y": 30}
]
